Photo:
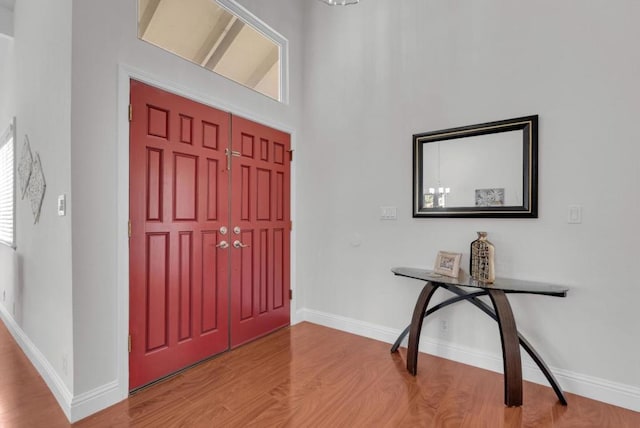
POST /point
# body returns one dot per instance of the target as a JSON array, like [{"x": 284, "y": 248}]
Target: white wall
[
  {"x": 104, "y": 39},
  {"x": 371, "y": 76},
  {"x": 381, "y": 71},
  {"x": 6, "y": 78},
  {"x": 6, "y": 21},
  {"x": 36, "y": 277},
  {"x": 70, "y": 95},
  {"x": 8, "y": 257}
]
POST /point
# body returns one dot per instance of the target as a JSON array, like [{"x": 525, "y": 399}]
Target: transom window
[
  {"x": 7, "y": 186},
  {"x": 221, "y": 36}
]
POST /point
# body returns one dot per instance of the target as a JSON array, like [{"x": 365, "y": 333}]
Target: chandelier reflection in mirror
[
  {"x": 340, "y": 2},
  {"x": 435, "y": 197}
]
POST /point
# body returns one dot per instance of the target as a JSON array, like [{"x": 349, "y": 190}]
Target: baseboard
[
  {"x": 74, "y": 407},
  {"x": 618, "y": 394},
  {"x": 90, "y": 402},
  {"x": 56, "y": 385},
  {"x": 297, "y": 317}
]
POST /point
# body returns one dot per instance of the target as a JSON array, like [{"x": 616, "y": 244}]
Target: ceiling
[{"x": 206, "y": 34}]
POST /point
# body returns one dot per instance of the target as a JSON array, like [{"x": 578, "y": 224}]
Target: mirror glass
[
  {"x": 220, "y": 36},
  {"x": 485, "y": 170}
]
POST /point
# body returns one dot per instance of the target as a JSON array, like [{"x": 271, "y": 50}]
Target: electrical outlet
[
  {"x": 4, "y": 295},
  {"x": 574, "y": 214},
  {"x": 444, "y": 327},
  {"x": 65, "y": 368}
]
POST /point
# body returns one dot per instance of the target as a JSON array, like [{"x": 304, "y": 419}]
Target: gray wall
[
  {"x": 381, "y": 71},
  {"x": 363, "y": 80},
  {"x": 36, "y": 277},
  {"x": 68, "y": 277}
]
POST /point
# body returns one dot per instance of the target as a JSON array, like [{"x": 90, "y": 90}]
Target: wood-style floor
[{"x": 309, "y": 376}]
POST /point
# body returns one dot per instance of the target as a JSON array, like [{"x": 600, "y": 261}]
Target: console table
[{"x": 501, "y": 313}]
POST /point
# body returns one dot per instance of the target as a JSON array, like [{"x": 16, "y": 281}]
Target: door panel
[
  {"x": 260, "y": 207},
  {"x": 178, "y": 202}
]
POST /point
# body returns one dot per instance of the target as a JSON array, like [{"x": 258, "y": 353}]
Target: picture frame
[
  {"x": 429, "y": 200},
  {"x": 493, "y": 197},
  {"x": 447, "y": 264}
]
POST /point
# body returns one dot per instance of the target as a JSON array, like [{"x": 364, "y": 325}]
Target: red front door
[
  {"x": 178, "y": 203},
  {"x": 260, "y": 244},
  {"x": 193, "y": 293}
]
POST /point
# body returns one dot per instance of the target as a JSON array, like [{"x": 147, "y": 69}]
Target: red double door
[{"x": 209, "y": 233}]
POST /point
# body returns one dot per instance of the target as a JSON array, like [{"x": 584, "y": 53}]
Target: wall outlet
[
  {"x": 444, "y": 327},
  {"x": 65, "y": 367},
  {"x": 4, "y": 295},
  {"x": 574, "y": 214}
]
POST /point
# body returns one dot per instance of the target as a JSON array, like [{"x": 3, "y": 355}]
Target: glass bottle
[{"x": 482, "y": 259}]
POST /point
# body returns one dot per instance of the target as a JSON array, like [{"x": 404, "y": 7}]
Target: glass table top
[{"x": 505, "y": 284}]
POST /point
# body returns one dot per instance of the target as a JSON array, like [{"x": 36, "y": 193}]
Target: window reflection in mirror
[{"x": 221, "y": 39}]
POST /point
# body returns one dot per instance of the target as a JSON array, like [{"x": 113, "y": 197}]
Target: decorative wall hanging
[
  {"x": 25, "y": 165},
  {"x": 36, "y": 188},
  {"x": 482, "y": 260},
  {"x": 447, "y": 264}
]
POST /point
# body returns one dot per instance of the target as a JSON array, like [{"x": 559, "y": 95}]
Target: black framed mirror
[{"x": 486, "y": 170}]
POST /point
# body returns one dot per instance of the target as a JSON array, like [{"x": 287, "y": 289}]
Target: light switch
[
  {"x": 62, "y": 205},
  {"x": 388, "y": 213},
  {"x": 574, "y": 215}
]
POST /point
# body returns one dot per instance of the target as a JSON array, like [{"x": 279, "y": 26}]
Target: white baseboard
[
  {"x": 74, "y": 407},
  {"x": 618, "y": 394},
  {"x": 93, "y": 401},
  {"x": 59, "y": 390}
]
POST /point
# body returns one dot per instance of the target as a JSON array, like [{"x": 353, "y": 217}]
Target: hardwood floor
[
  {"x": 25, "y": 400},
  {"x": 309, "y": 376}
]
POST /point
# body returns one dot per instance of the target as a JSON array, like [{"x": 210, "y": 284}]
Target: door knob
[
  {"x": 237, "y": 230},
  {"x": 223, "y": 244},
  {"x": 238, "y": 244},
  {"x": 223, "y": 230}
]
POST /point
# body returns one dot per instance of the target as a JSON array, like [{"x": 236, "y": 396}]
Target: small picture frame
[
  {"x": 447, "y": 264},
  {"x": 428, "y": 200},
  {"x": 490, "y": 197}
]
